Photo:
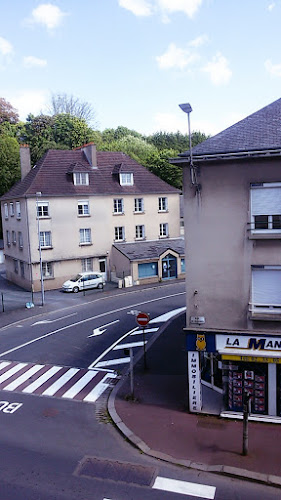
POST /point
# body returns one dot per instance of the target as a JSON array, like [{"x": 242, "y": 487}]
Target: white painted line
[
  {"x": 99, "y": 331},
  {"x": 25, "y": 376},
  {"x": 79, "y": 385},
  {"x": 50, "y": 391},
  {"x": 168, "y": 315},
  {"x": 126, "y": 346},
  {"x": 147, "y": 330},
  {"x": 45, "y": 321},
  {"x": 185, "y": 488},
  {"x": 11, "y": 372},
  {"x": 95, "y": 363},
  {"x": 97, "y": 391},
  {"x": 111, "y": 362},
  {"x": 3, "y": 364},
  {"x": 41, "y": 380},
  {"x": 85, "y": 321}
]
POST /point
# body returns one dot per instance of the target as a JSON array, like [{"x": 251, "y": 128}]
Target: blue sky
[{"x": 136, "y": 60}]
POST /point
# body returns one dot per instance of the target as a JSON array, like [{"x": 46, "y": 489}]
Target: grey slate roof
[
  {"x": 259, "y": 131},
  {"x": 144, "y": 250},
  {"x": 52, "y": 176}
]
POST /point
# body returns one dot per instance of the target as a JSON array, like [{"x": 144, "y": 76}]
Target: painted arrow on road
[{"x": 99, "y": 331}]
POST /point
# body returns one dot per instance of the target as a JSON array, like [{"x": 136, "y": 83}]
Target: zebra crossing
[{"x": 54, "y": 381}]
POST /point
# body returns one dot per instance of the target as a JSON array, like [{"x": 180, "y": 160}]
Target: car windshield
[{"x": 76, "y": 278}]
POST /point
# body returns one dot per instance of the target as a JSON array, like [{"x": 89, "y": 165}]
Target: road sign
[{"x": 142, "y": 318}]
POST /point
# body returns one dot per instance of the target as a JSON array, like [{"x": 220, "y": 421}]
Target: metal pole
[
  {"x": 144, "y": 350},
  {"x": 40, "y": 252},
  {"x": 3, "y": 308},
  {"x": 132, "y": 373},
  {"x": 212, "y": 369},
  {"x": 246, "y": 411}
]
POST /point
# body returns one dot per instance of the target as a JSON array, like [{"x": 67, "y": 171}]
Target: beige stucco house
[
  {"x": 81, "y": 203},
  {"x": 232, "y": 198}
]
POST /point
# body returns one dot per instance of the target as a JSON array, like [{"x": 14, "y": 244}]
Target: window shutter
[
  {"x": 266, "y": 286},
  {"x": 266, "y": 201}
]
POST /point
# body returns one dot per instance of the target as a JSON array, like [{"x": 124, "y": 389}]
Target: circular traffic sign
[{"x": 142, "y": 318}]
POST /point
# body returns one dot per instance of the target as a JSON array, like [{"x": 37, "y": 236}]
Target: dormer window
[
  {"x": 81, "y": 178},
  {"x": 126, "y": 179}
]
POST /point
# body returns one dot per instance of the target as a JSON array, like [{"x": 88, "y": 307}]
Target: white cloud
[
  {"x": 176, "y": 57},
  {"x": 272, "y": 69},
  {"x": 6, "y": 47},
  {"x": 271, "y": 6},
  {"x": 218, "y": 70},
  {"x": 48, "y": 15},
  {"x": 137, "y": 7},
  {"x": 199, "y": 41},
  {"x": 34, "y": 62},
  {"x": 188, "y": 7},
  {"x": 29, "y": 101}
]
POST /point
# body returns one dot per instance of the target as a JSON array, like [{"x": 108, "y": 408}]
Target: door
[
  {"x": 169, "y": 267},
  {"x": 102, "y": 268}
]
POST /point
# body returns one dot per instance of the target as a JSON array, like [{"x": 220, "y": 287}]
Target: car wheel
[
  {"x": 100, "y": 285},
  {"x": 75, "y": 289}
]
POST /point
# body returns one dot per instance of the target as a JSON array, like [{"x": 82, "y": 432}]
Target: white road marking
[
  {"x": 11, "y": 372},
  {"x": 147, "y": 330},
  {"x": 97, "y": 391},
  {"x": 168, "y": 315},
  {"x": 41, "y": 380},
  {"x": 110, "y": 348},
  {"x": 60, "y": 382},
  {"x": 79, "y": 385},
  {"x": 25, "y": 376},
  {"x": 85, "y": 321},
  {"x": 185, "y": 488},
  {"x": 99, "y": 331},
  {"x": 3, "y": 364},
  {"x": 45, "y": 321},
  {"x": 111, "y": 362},
  {"x": 126, "y": 346}
]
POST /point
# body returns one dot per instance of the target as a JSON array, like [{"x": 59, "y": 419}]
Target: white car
[{"x": 84, "y": 281}]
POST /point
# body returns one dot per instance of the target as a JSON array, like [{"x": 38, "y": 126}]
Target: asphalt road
[{"x": 56, "y": 443}]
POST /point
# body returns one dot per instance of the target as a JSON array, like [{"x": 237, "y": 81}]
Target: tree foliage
[
  {"x": 63, "y": 103},
  {"x": 7, "y": 112},
  {"x": 9, "y": 163}
]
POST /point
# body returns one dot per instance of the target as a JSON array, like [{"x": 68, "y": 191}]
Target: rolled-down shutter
[
  {"x": 266, "y": 200},
  {"x": 266, "y": 286}
]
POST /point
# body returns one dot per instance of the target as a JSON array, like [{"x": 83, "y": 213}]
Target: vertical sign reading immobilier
[{"x": 194, "y": 381}]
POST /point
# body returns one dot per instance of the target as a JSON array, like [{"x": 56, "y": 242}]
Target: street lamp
[
  {"x": 186, "y": 108},
  {"x": 38, "y": 194}
]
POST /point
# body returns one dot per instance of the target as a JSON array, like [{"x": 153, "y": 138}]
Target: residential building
[
  {"x": 82, "y": 204},
  {"x": 232, "y": 198}
]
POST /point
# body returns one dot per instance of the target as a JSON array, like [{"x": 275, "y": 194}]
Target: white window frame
[
  {"x": 163, "y": 204},
  {"x": 273, "y": 201},
  {"x": 140, "y": 232},
  {"x": 163, "y": 230},
  {"x": 22, "y": 268},
  {"x": 14, "y": 237},
  {"x": 47, "y": 270},
  {"x": 84, "y": 207},
  {"x": 81, "y": 178},
  {"x": 118, "y": 206},
  {"x": 6, "y": 211},
  {"x": 126, "y": 178},
  {"x": 18, "y": 209},
  {"x": 266, "y": 288},
  {"x": 85, "y": 236},
  {"x": 20, "y": 239},
  {"x": 43, "y": 210},
  {"x": 119, "y": 233},
  {"x": 45, "y": 239},
  {"x": 8, "y": 238},
  {"x": 139, "y": 205},
  {"x": 87, "y": 264},
  {"x": 12, "y": 209},
  {"x": 16, "y": 266}
]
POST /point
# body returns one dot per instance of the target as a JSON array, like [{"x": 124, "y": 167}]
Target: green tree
[
  {"x": 7, "y": 112},
  {"x": 158, "y": 163},
  {"x": 70, "y": 131},
  {"x": 66, "y": 104},
  {"x": 9, "y": 163}
]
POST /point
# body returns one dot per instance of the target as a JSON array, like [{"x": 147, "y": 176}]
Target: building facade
[
  {"x": 77, "y": 204},
  {"x": 232, "y": 198}
]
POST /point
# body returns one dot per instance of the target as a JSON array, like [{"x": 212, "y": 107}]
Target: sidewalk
[{"x": 157, "y": 421}]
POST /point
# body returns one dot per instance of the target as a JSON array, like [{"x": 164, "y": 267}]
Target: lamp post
[
  {"x": 186, "y": 108},
  {"x": 38, "y": 194}
]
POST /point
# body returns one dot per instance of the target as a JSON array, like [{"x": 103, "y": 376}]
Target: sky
[{"x": 135, "y": 61}]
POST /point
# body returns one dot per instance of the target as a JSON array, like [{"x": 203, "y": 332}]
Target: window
[
  {"x": 148, "y": 269},
  {"x": 8, "y": 238},
  {"x": 20, "y": 239},
  {"x": 164, "y": 232},
  {"x": 16, "y": 266},
  {"x": 87, "y": 264},
  {"x": 22, "y": 268},
  {"x": 266, "y": 208},
  {"x": 162, "y": 204},
  {"x": 6, "y": 212},
  {"x": 119, "y": 233},
  {"x": 14, "y": 238},
  {"x": 85, "y": 236},
  {"x": 12, "y": 210},
  {"x": 45, "y": 239},
  {"x": 43, "y": 209},
  {"x": 118, "y": 206},
  {"x": 126, "y": 179},
  {"x": 139, "y": 205},
  {"x": 183, "y": 265},
  {"x": 140, "y": 232},
  {"x": 266, "y": 289},
  {"x": 83, "y": 208},
  {"x": 81, "y": 178},
  {"x": 18, "y": 209},
  {"x": 47, "y": 269}
]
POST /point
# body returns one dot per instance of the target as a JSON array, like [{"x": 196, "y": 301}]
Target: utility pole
[{"x": 246, "y": 412}]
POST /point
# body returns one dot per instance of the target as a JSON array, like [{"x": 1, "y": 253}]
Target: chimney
[
  {"x": 25, "y": 163},
  {"x": 90, "y": 151}
]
